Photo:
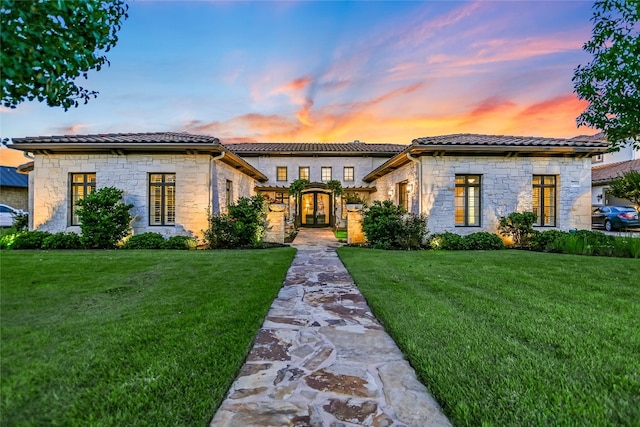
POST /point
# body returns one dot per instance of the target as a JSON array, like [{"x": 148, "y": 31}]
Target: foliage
[
  {"x": 354, "y": 198},
  {"x": 296, "y": 187},
  {"x": 446, "y": 241},
  {"x": 610, "y": 82},
  {"x": 627, "y": 187},
  {"x": 587, "y": 242},
  {"x": 62, "y": 241},
  {"x": 543, "y": 241},
  {"x": 482, "y": 241},
  {"x": 47, "y": 45},
  {"x": 518, "y": 226},
  {"x": 381, "y": 223},
  {"x": 180, "y": 243},
  {"x": 221, "y": 233},
  {"x": 104, "y": 218},
  {"x": 336, "y": 187},
  {"x": 530, "y": 327},
  {"x": 145, "y": 241},
  {"x": 98, "y": 336},
  {"x": 6, "y": 240},
  {"x": 243, "y": 226},
  {"x": 250, "y": 218},
  {"x": 29, "y": 239},
  {"x": 21, "y": 221},
  {"x": 412, "y": 231}
]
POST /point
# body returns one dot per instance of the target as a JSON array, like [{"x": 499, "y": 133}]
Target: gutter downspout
[
  {"x": 214, "y": 203},
  {"x": 417, "y": 160}
]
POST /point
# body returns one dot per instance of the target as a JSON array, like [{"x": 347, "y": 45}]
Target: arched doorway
[{"x": 316, "y": 209}]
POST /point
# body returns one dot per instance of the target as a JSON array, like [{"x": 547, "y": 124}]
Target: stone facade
[
  {"x": 196, "y": 194},
  {"x": 506, "y": 187}
]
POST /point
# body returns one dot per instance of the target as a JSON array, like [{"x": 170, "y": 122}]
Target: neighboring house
[
  {"x": 14, "y": 188},
  {"x": 601, "y": 177},
  {"x": 607, "y": 166},
  {"x": 463, "y": 183}
]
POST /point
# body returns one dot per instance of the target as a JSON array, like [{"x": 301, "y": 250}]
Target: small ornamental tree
[
  {"x": 387, "y": 226},
  {"x": 627, "y": 187},
  {"x": 518, "y": 226},
  {"x": 296, "y": 190},
  {"x": 336, "y": 187},
  {"x": 104, "y": 218}
]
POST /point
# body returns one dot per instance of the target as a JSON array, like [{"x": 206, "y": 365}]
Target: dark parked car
[{"x": 614, "y": 217}]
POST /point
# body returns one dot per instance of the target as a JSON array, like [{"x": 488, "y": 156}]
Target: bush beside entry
[{"x": 104, "y": 218}]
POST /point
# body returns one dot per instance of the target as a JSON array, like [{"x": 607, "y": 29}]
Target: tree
[
  {"x": 47, "y": 45},
  {"x": 104, "y": 218},
  {"x": 627, "y": 187},
  {"x": 295, "y": 189},
  {"x": 611, "y": 80}
]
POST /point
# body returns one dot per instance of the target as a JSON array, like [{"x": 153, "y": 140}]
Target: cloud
[{"x": 72, "y": 129}]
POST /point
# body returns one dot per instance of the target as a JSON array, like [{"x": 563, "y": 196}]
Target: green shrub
[
  {"x": 180, "y": 243},
  {"x": 145, "y": 241},
  {"x": 29, "y": 239},
  {"x": 518, "y": 226},
  {"x": 381, "y": 223},
  {"x": 62, "y": 241},
  {"x": 250, "y": 217},
  {"x": 543, "y": 241},
  {"x": 446, "y": 241},
  {"x": 104, "y": 218},
  {"x": 482, "y": 241},
  {"x": 221, "y": 233},
  {"x": 6, "y": 240},
  {"x": 412, "y": 231},
  {"x": 21, "y": 221}
]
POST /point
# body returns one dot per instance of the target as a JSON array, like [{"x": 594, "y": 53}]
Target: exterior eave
[
  {"x": 313, "y": 154},
  {"x": 122, "y": 149},
  {"x": 401, "y": 159}
]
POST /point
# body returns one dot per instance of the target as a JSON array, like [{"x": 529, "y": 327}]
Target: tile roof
[
  {"x": 467, "y": 139},
  {"x": 257, "y": 148},
  {"x": 605, "y": 173},
  {"x": 111, "y": 138},
  {"x": 9, "y": 177},
  {"x": 597, "y": 137}
]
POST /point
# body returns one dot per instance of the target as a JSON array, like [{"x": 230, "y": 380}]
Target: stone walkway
[{"x": 322, "y": 359}]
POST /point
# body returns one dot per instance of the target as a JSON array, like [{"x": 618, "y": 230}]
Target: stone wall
[
  {"x": 506, "y": 187},
  {"x": 387, "y": 186},
  {"x": 275, "y": 227},
  {"x": 16, "y": 197},
  {"x": 355, "y": 234},
  {"x": 195, "y": 195},
  {"x": 362, "y": 166}
]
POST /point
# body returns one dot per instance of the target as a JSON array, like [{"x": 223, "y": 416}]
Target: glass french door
[{"x": 316, "y": 210}]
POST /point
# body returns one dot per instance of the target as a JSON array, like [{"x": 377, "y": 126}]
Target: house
[
  {"x": 463, "y": 183},
  {"x": 14, "y": 188},
  {"x": 607, "y": 166}
]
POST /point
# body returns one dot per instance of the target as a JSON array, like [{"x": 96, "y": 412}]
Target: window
[
  {"x": 281, "y": 173},
  {"x": 228, "y": 194},
  {"x": 162, "y": 199},
  {"x": 403, "y": 195},
  {"x": 598, "y": 158},
  {"x": 325, "y": 173},
  {"x": 544, "y": 200},
  {"x": 467, "y": 201},
  {"x": 303, "y": 172},
  {"x": 348, "y": 173},
  {"x": 81, "y": 185}
]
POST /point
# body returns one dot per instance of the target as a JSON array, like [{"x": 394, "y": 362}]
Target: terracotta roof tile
[
  {"x": 111, "y": 138},
  {"x": 314, "y": 148},
  {"x": 604, "y": 173},
  {"x": 468, "y": 139},
  {"x": 597, "y": 137}
]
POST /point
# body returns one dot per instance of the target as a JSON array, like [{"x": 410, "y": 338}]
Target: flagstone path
[{"x": 322, "y": 359}]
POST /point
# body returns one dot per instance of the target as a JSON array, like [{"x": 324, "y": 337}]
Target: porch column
[
  {"x": 354, "y": 227},
  {"x": 275, "y": 228}
]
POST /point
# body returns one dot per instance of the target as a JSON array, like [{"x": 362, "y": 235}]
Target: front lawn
[
  {"x": 513, "y": 338},
  {"x": 121, "y": 338}
]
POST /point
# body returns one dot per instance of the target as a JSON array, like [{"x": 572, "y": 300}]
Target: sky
[{"x": 374, "y": 71}]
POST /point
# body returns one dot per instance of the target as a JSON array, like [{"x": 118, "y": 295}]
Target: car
[
  {"x": 7, "y": 215},
  {"x": 614, "y": 217}
]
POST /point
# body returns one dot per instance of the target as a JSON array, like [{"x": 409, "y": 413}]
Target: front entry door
[{"x": 316, "y": 210}]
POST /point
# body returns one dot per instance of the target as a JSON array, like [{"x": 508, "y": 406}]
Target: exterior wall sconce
[
  {"x": 410, "y": 187},
  {"x": 599, "y": 197},
  {"x": 391, "y": 192}
]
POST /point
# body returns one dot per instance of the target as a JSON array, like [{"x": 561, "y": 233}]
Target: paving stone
[{"x": 321, "y": 359}]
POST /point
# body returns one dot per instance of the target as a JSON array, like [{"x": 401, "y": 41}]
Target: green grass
[
  {"x": 128, "y": 337},
  {"x": 513, "y": 338},
  {"x": 340, "y": 234}
]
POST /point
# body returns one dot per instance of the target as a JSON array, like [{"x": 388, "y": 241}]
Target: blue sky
[{"x": 332, "y": 71}]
